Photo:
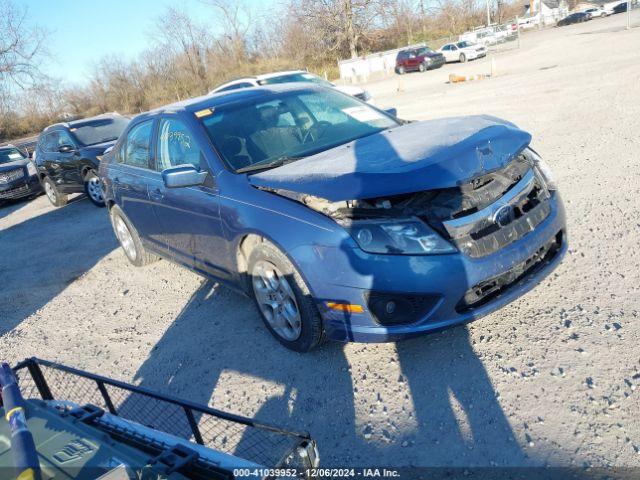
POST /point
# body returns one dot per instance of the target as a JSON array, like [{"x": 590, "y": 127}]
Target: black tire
[
  {"x": 463, "y": 58},
  {"x": 422, "y": 67},
  {"x": 56, "y": 198},
  {"x": 312, "y": 332},
  {"x": 93, "y": 189},
  {"x": 137, "y": 255},
  {"x": 401, "y": 70}
]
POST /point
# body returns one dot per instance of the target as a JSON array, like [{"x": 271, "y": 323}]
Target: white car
[
  {"x": 462, "y": 51},
  {"x": 596, "y": 12},
  {"x": 290, "y": 76}
]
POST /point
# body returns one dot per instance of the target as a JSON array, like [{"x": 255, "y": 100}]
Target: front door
[
  {"x": 131, "y": 175},
  {"x": 189, "y": 217}
]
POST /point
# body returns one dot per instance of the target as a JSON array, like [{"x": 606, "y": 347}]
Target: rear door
[
  {"x": 48, "y": 158},
  {"x": 131, "y": 175},
  {"x": 189, "y": 217},
  {"x": 68, "y": 161}
]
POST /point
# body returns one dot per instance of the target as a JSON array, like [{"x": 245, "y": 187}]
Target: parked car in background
[
  {"x": 418, "y": 60},
  {"x": 18, "y": 174},
  {"x": 291, "y": 76},
  {"x": 620, "y": 8},
  {"x": 338, "y": 219},
  {"x": 577, "y": 17},
  {"x": 68, "y": 156},
  {"x": 462, "y": 51},
  {"x": 596, "y": 12}
]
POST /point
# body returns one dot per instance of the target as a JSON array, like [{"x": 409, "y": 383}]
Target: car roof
[
  {"x": 223, "y": 98},
  {"x": 263, "y": 76},
  {"x": 79, "y": 121}
]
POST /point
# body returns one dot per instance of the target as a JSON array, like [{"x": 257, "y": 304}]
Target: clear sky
[{"x": 83, "y": 31}]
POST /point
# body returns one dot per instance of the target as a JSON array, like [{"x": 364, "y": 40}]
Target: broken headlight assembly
[
  {"x": 401, "y": 237},
  {"x": 542, "y": 167}
]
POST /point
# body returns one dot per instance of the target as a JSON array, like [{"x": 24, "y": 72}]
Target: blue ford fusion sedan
[{"x": 338, "y": 219}]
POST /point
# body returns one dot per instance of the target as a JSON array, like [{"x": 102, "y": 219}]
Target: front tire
[
  {"x": 422, "y": 67},
  {"x": 463, "y": 58},
  {"x": 56, "y": 198},
  {"x": 93, "y": 188},
  {"x": 401, "y": 70},
  {"x": 129, "y": 239},
  {"x": 283, "y": 299}
]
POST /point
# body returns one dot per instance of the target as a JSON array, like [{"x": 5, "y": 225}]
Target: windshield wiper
[{"x": 265, "y": 166}]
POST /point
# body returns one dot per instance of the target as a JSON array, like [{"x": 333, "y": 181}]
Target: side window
[
  {"x": 176, "y": 145},
  {"x": 446, "y": 48},
  {"x": 51, "y": 142},
  {"x": 64, "y": 139},
  {"x": 137, "y": 148}
]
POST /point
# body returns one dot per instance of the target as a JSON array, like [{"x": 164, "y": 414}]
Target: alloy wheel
[
  {"x": 95, "y": 189},
  {"x": 276, "y": 300},
  {"x": 51, "y": 193},
  {"x": 124, "y": 237}
]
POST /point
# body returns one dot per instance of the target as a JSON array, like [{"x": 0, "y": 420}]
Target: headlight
[
  {"x": 31, "y": 169},
  {"x": 408, "y": 237},
  {"x": 543, "y": 168}
]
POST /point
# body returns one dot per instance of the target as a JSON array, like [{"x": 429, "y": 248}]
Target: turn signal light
[{"x": 345, "y": 307}]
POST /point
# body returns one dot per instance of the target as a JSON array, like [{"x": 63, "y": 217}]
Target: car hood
[
  {"x": 13, "y": 165},
  {"x": 433, "y": 54},
  {"x": 409, "y": 158},
  {"x": 98, "y": 148}
]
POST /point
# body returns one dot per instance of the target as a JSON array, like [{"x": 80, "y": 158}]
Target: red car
[{"x": 419, "y": 59}]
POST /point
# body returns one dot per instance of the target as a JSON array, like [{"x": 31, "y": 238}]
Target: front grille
[
  {"x": 491, "y": 288},
  {"x": 14, "y": 192},
  {"x": 11, "y": 175},
  {"x": 503, "y": 207}
]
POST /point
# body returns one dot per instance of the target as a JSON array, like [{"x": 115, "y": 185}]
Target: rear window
[
  {"x": 99, "y": 130},
  {"x": 8, "y": 155}
]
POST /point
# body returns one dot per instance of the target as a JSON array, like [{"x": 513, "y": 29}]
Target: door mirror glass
[
  {"x": 183, "y": 176},
  {"x": 66, "y": 148}
]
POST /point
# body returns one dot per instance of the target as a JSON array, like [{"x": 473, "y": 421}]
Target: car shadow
[{"x": 44, "y": 254}]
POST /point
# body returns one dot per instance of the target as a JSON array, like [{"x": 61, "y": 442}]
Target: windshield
[
  {"x": 424, "y": 50},
  {"x": 260, "y": 133},
  {"x": 295, "y": 77},
  {"x": 8, "y": 155},
  {"x": 100, "y": 130}
]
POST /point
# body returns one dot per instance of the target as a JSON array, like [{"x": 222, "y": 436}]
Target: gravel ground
[{"x": 551, "y": 379}]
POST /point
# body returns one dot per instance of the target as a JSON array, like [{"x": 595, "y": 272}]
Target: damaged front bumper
[{"x": 427, "y": 292}]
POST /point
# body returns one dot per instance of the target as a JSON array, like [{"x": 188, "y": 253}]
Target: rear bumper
[
  {"x": 349, "y": 275},
  {"x": 22, "y": 187}
]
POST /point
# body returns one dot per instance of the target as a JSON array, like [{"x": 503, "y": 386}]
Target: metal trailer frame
[{"x": 83, "y": 388}]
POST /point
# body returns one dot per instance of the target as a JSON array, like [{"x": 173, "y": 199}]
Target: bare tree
[{"x": 21, "y": 47}]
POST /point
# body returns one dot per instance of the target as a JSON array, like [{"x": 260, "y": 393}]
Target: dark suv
[
  {"x": 68, "y": 156},
  {"x": 419, "y": 59},
  {"x": 17, "y": 174}
]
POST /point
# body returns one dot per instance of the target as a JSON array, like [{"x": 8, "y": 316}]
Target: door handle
[{"x": 156, "y": 193}]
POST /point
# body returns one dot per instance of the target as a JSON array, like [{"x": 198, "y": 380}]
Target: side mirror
[
  {"x": 392, "y": 111},
  {"x": 66, "y": 148},
  {"x": 183, "y": 176}
]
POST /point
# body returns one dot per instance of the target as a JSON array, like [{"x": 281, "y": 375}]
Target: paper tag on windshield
[
  {"x": 15, "y": 156},
  {"x": 363, "y": 114}
]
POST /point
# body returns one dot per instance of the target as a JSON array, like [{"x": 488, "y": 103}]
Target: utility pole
[
  {"x": 488, "y": 12},
  {"x": 628, "y": 14}
]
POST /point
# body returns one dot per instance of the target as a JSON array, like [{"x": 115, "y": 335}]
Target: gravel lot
[{"x": 551, "y": 379}]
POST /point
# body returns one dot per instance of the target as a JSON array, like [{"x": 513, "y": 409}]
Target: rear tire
[
  {"x": 463, "y": 58},
  {"x": 129, "y": 239},
  {"x": 93, "y": 188},
  {"x": 283, "y": 299},
  {"x": 56, "y": 198}
]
